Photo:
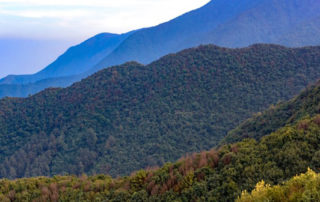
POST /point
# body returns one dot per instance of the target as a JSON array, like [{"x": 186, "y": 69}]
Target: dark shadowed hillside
[
  {"x": 287, "y": 113},
  {"x": 132, "y": 116}
]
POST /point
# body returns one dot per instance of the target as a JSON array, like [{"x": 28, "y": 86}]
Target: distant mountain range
[
  {"x": 133, "y": 116},
  {"x": 26, "y": 55},
  {"x": 76, "y": 60},
  {"x": 232, "y": 23}
]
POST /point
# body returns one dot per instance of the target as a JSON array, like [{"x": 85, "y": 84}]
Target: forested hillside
[
  {"x": 216, "y": 175},
  {"x": 129, "y": 117},
  {"x": 305, "y": 105}
]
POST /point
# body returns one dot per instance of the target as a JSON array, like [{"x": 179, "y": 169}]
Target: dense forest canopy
[
  {"x": 286, "y": 113},
  {"x": 129, "y": 117},
  {"x": 215, "y": 175},
  {"x": 305, "y": 187}
]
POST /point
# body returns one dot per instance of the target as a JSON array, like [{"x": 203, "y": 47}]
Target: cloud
[
  {"x": 47, "y": 14},
  {"x": 82, "y": 18},
  {"x": 99, "y": 3}
]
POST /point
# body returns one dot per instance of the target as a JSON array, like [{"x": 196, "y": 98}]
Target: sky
[
  {"x": 80, "y": 19},
  {"x": 33, "y": 33}
]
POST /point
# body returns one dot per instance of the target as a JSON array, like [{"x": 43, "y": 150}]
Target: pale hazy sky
[
  {"x": 33, "y": 33},
  {"x": 79, "y": 19}
]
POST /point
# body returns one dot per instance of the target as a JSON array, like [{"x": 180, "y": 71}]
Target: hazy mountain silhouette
[
  {"x": 76, "y": 60},
  {"x": 232, "y": 23}
]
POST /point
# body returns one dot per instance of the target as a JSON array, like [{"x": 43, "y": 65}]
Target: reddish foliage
[
  {"x": 76, "y": 186},
  {"x": 126, "y": 186},
  {"x": 44, "y": 194},
  {"x": 12, "y": 195},
  {"x": 45, "y": 191},
  {"x": 112, "y": 184},
  {"x": 303, "y": 125},
  {"x": 83, "y": 177},
  {"x": 203, "y": 161},
  {"x": 87, "y": 187},
  {"x": 149, "y": 176},
  {"x": 317, "y": 120},
  {"x": 150, "y": 186},
  {"x": 63, "y": 189},
  {"x": 171, "y": 181},
  {"x": 200, "y": 176},
  {"x": 163, "y": 189},
  {"x": 53, "y": 192},
  {"x": 234, "y": 148},
  {"x": 155, "y": 190},
  {"x": 227, "y": 159}
]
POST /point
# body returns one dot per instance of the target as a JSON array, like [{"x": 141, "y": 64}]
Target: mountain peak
[{"x": 226, "y": 23}]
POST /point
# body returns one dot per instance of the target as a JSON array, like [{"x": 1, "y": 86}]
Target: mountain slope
[
  {"x": 151, "y": 43},
  {"x": 215, "y": 175},
  {"x": 261, "y": 21},
  {"x": 271, "y": 21},
  {"x": 25, "y": 90},
  {"x": 132, "y": 116},
  {"x": 287, "y": 113},
  {"x": 74, "y": 61}
]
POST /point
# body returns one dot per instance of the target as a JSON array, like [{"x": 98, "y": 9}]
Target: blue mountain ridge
[
  {"x": 76, "y": 60},
  {"x": 232, "y": 23}
]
